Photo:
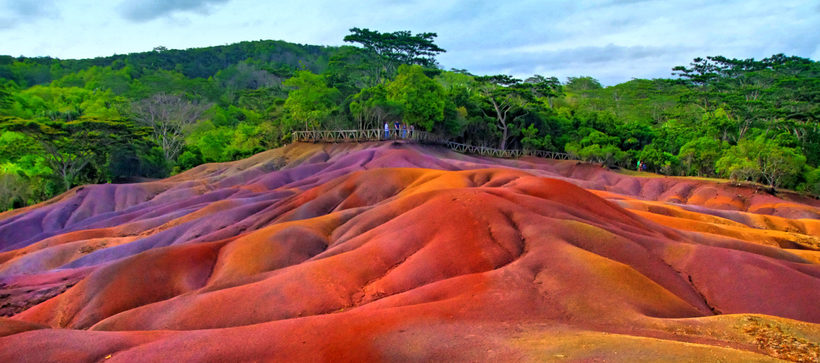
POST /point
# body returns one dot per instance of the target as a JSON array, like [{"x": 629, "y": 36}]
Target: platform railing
[{"x": 422, "y": 137}]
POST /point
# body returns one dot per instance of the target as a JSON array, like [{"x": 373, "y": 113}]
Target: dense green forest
[{"x": 149, "y": 115}]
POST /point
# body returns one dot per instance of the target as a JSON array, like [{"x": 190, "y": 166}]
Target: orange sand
[{"x": 403, "y": 252}]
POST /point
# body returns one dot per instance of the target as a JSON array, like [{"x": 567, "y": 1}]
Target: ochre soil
[{"x": 391, "y": 251}]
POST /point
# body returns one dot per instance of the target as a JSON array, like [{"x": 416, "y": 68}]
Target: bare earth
[{"x": 391, "y": 251}]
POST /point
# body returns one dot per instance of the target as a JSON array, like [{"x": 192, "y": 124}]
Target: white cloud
[
  {"x": 152, "y": 9},
  {"x": 610, "y": 40}
]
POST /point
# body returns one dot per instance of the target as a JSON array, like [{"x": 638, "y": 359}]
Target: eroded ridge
[{"x": 394, "y": 251}]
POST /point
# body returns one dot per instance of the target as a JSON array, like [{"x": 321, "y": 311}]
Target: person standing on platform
[{"x": 386, "y": 130}]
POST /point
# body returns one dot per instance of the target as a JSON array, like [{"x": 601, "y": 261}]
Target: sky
[{"x": 613, "y": 41}]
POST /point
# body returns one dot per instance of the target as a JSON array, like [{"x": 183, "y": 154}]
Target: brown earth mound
[{"x": 403, "y": 252}]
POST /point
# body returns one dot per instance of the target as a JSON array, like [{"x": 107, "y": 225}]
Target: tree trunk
[
  {"x": 503, "y": 144},
  {"x": 501, "y": 116},
  {"x": 66, "y": 179}
]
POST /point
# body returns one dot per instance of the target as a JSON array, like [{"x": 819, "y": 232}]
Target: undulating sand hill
[{"x": 391, "y": 251}]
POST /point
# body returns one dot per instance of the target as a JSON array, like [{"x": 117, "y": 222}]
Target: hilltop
[
  {"x": 272, "y": 55},
  {"x": 395, "y": 251},
  {"x": 65, "y": 123}
]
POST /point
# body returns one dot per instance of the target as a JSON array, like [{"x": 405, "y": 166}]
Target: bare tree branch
[{"x": 168, "y": 116}]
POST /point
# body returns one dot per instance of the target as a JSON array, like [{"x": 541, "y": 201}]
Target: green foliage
[
  {"x": 168, "y": 117},
  {"x": 738, "y": 163},
  {"x": 212, "y": 142},
  {"x": 352, "y": 69},
  {"x": 532, "y": 140},
  {"x": 762, "y": 159},
  {"x": 699, "y": 155},
  {"x": 189, "y": 159},
  {"x": 15, "y": 190},
  {"x": 812, "y": 181},
  {"x": 75, "y": 122},
  {"x": 6, "y": 99},
  {"x": 105, "y": 78},
  {"x": 64, "y": 103},
  {"x": 393, "y": 49},
  {"x": 278, "y": 57},
  {"x": 421, "y": 99},
  {"x": 580, "y": 84},
  {"x": 23, "y": 170},
  {"x": 130, "y": 162},
  {"x": 505, "y": 99},
  {"x": 717, "y": 124},
  {"x": 14, "y": 145},
  {"x": 70, "y": 147},
  {"x": 635, "y": 135},
  {"x": 595, "y": 137},
  {"x": 599, "y": 147},
  {"x": 659, "y": 161},
  {"x": 777, "y": 92},
  {"x": 371, "y": 108},
  {"x": 66, "y": 122},
  {"x": 311, "y": 102},
  {"x": 809, "y": 141},
  {"x": 607, "y": 155}
]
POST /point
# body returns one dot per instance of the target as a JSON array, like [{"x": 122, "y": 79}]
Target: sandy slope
[{"x": 395, "y": 252}]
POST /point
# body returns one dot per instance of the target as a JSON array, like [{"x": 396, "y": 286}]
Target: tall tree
[
  {"x": 310, "y": 101},
  {"x": 764, "y": 158},
  {"x": 420, "y": 98},
  {"x": 371, "y": 108},
  {"x": 699, "y": 155},
  {"x": 168, "y": 116},
  {"x": 5, "y": 96},
  {"x": 71, "y": 146},
  {"x": 352, "y": 69},
  {"x": 775, "y": 93},
  {"x": 548, "y": 88},
  {"x": 700, "y": 77},
  {"x": 506, "y": 98},
  {"x": 580, "y": 84},
  {"x": 399, "y": 47}
]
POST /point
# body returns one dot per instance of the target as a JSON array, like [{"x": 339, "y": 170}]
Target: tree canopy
[
  {"x": 421, "y": 99},
  {"x": 396, "y": 48},
  {"x": 150, "y": 114},
  {"x": 311, "y": 101}
]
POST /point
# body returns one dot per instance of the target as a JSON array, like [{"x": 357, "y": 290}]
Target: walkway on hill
[{"x": 420, "y": 137}]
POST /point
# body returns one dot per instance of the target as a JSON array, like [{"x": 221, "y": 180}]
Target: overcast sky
[{"x": 613, "y": 41}]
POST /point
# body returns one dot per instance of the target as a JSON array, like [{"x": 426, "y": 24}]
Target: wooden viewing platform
[{"x": 421, "y": 137}]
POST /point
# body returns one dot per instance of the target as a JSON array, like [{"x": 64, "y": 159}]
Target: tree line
[{"x": 149, "y": 115}]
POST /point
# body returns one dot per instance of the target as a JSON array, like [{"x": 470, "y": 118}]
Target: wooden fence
[{"x": 422, "y": 137}]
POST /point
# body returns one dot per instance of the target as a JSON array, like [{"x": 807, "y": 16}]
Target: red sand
[{"x": 400, "y": 252}]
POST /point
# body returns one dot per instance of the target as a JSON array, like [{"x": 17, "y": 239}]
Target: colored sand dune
[{"x": 390, "y": 251}]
